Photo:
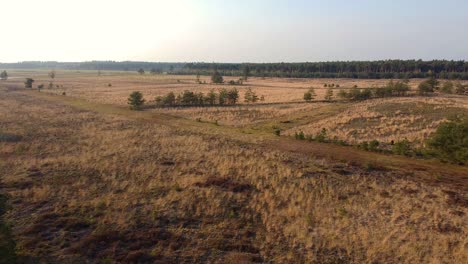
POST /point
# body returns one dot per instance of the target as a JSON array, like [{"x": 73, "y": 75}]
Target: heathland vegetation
[{"x": 83, "y": 178}]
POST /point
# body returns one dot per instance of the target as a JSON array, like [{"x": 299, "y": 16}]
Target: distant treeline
[
  {"x": 96, "y": 65},
  {"x": 385, "y": 69}
]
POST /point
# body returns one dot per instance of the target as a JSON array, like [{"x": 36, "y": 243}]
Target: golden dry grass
[
  {"x": 100, "y": 186},
  {"x": 413, "y": 118}
]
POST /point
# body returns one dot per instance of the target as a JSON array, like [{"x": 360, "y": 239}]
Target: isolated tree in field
[
  {"x": 250, "y": 96},
  {"x": 28, "y": 83},
  {"x": 329, "y": 95},
  {"x": 52, "y": 74},
  {"x": 135, "y": 100},
  {"x": 309, "y": 95},
  {"x": 217, "y": 78},
  {"x": 141, "y": 71},
  {"x": 4, "y": 75}
]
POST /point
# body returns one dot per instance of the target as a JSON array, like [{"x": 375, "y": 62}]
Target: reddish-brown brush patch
[{"x": 456, "y": 199}]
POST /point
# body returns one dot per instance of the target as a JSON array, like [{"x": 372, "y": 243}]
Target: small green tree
[
  {"x": 322, "y": 136},
  {"x": 329, "y": 95},
  {"x": 211, "y": 97},
  {"x": 217, "y": 78},
  {"x": 52, "y": 74},
  {"x": 4, "y": 75},
  {"x": 424, "y": 88},
  {"x": 223, "y": 95},
  {"x": 309, "y": 95},
  {"x": 433, "y": 82},
  {"x": 141, "y": 71},
  {"x": 28, "y": 83},
  {"x": 428, "y": 86},
  {"x": 135, "y": 100},
  {"x": 250, "y": 96},
  {"x": 233, "y": 96}
]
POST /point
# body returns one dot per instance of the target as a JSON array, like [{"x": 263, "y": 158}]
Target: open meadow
[{"x": 84, "y": 178}]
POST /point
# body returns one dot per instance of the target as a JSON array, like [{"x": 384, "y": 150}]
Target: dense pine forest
[
  {"x": 383, "y": 69},
  {"x": 352, "y": 69}
]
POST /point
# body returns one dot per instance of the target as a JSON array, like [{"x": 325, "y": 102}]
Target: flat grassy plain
[{"x": 86, "y": 179}]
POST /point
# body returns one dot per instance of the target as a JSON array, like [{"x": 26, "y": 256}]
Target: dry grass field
[{"x": 89, "y": 180}]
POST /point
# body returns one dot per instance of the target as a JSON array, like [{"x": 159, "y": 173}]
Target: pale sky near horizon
[{"x": 232, "y": 30}]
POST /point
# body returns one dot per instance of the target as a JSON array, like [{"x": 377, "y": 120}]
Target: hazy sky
[{"x": 233, "y": 30}]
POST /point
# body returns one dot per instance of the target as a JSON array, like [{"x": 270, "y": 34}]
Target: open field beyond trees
[{"x": 84, "y": 178}]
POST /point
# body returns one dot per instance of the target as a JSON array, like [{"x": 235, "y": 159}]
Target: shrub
[
  {"x": 428, "y": 86},
  {"x": 217, "y": 78},
  {"x": 250, "y": 96},
  {"x": 447, "y": 87},
  {"x": 135, "y": 100},
  {"x": 460, "y": 88},
  {"x": 402, "y": 147},
  {"x": 450, "y": 141},
  {"x": 322, "y": 136},
  {"x": 28, "y": 83},
  {"x": 4, "y": 75},
  {"x": 373, "y": 145},
  {"x": 299, "y": 136},
  {"x": 309, "y": 95}
]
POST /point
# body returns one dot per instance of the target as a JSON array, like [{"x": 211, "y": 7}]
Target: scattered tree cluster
[
  {"x": 190, "y": 98},
  {"x": 392, "y": 89}
]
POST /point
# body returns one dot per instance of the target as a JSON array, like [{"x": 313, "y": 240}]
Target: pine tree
[{"x": 135, "y": 100}]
